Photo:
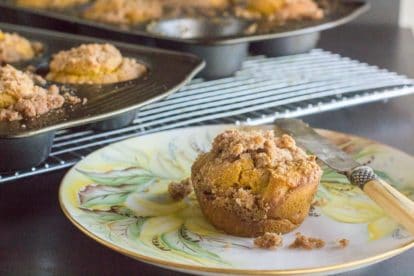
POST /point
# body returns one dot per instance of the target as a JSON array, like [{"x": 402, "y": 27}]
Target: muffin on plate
[
  {"x": 15, "y": 48},
  {"x": 93, "y": 64},
  {"x": 21, "y": 97},
  {"x": 50, "y": 4},
  {"x": 281, "y": 10},
  {"x": 124, "y": 12},
  {"x": 252, "y": 182}
]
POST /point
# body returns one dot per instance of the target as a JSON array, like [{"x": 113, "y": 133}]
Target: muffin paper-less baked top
[{"x": 167, "y": 72}]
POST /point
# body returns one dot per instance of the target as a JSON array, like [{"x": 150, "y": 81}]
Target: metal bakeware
[
  {"x": 109, "y": 106},
  {"x": 222, "y": 42}
]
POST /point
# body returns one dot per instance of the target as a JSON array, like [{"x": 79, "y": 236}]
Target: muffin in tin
[
  {"x": 219, "y": 4},
  {"x": 23, "y": 97},
  {"x": 281, "y": 10},
  {"x": 15, "y": 48},
  {"x": 93, "y": 64},
  {"x": 124, "y": 12},
  {"x": 50, "y": 4},
  {"x": 252, "y": 182}
]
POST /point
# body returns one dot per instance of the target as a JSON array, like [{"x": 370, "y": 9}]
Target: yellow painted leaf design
[
  {"x": 381, "y": 228},
  {"x": 144, "y": 206},
  {"x": 160, "y": 225},
  {"x": 352, "y": 210}
]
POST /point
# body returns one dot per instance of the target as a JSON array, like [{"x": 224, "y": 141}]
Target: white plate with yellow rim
[{"x": 118, "y": 196}]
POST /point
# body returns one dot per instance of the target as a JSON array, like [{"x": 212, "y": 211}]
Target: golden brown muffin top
[
  {"x": 257, "y": 161},
  {"x": 197, "y": 3},
  {"x": 15, "y": 48},
  {"x": 87, "y": 59},
  {"x": 124, "y": 11},
  {"x": 43, "y": 4},
  {"x": 93, "y": 64},
  {"x": 281, "y": 10},
  {"x": 266, "y": 150},
  {"x": 21, "y": 98},
  {"x": 16, "y": 83}
]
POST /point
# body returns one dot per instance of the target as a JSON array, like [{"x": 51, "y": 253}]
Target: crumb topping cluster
[
  {"x": 124, "y": 11},
  {"x": 21, "y": 97},
  {"x": 179, "y": 190},
  {"x": 280, "y": 10},
  {"x": 15, "y": 48},
  {"x": 93, "y": 64}
]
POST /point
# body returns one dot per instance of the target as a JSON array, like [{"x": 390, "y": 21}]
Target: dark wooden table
[{"x": 36, "y": 238}]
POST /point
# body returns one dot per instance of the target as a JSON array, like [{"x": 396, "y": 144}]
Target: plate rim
[{"x": 200, "y": 269}]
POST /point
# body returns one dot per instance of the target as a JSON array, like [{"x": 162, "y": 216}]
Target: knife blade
[
  {"x": 394, "y": 203},
  {"x": 309, "y": 139}
]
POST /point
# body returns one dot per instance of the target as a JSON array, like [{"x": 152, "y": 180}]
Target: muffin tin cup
[
  {"x": 26, "y": 152},
  {"x": 116, "y": 122},
  {"x": 221, "y": 61},
  {"x": 286, "y": 45},
  {"x": 222, "y": 47}
]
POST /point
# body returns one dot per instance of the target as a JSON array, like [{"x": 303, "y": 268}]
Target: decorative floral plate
[{"x": 118, "y": 196}]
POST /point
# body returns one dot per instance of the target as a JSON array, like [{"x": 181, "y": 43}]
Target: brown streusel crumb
[
  {"x": 320, "y": 202},
  {"x": 343, "y": 243},
  {"x": 308, "y": 243},
  {"x": 179, "y": 190},
  {"x": 21, "y": 96},
  {"x": 269, "y": 241}
]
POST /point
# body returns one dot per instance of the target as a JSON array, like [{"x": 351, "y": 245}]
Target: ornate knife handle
[
  {"x": 362, "y": 175},
  {"x": 394, "y": 203}
]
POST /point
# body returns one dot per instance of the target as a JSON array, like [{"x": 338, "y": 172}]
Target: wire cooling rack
[{"x": 265, "y": 89}]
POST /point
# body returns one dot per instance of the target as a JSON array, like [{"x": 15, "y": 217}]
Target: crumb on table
[
  {"x": 309, "y": 243},
  {"x": 179, "y": 190},
  {"x": 269, "y": 241}
]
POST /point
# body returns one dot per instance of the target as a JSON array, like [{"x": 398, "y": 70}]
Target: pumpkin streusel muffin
[
  {"x": 93, "y": 64},
  {"x": 22, "y": 98},
  {"x": 252, "y": 182},
  {"x": 50, "y": 4},
  {"x": 124, "y": 12},
  {"x": 281, "y": 10},
  {"x": 198, "y": 3},
  {"x": 15, "y": 48}
]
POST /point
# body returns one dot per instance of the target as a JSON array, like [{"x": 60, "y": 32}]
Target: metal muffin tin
[
  {"x": 223, "y": 42},
  {"x": 27, "y": 143}
]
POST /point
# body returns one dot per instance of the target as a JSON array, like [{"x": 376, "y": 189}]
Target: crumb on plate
[
  {"x": 308, "y": 243},
  {"x": 179, "y": 190},
  {"x": 269, "y": 241}
]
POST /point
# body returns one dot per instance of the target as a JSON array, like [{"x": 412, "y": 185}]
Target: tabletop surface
[{"x": 36, "y": 238}]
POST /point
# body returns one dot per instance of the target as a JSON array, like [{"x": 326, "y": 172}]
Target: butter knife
[{"x": 394, "y": 203}]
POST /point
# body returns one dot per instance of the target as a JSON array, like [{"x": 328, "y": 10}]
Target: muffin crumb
[
  {"x": 342, "y": 243},
  {"x": 320, "y": 202},
  {"x": 308, "y": 243},
  {"x": 179, "y": 190},
  {"x": 269, "y": 241}
]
